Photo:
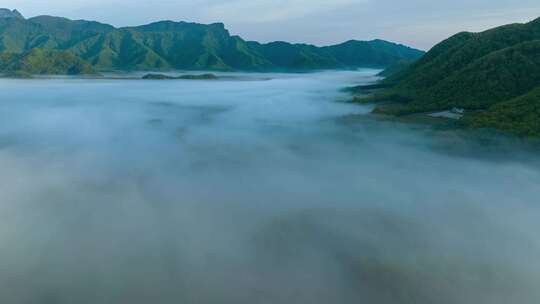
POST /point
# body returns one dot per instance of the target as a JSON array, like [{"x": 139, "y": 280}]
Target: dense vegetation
[
  {"x": 180, "y": 45},
  {"x": 491, "y": 72},
  {"x": 396, "y": 68},
  {"x": 520, "y": 115},
  {"x": 38, "y": 61}
]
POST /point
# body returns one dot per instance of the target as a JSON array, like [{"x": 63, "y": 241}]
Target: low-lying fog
[{"x": 262, "y": 191}]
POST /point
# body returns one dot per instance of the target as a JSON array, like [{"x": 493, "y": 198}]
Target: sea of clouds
[{"x": 263, "y": 189}]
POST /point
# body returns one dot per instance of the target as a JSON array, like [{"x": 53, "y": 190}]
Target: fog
[{"x": 264, "y": 189}]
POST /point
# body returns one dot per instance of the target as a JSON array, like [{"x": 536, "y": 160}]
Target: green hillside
[
  {"x": 474, "y": 71},
  {"x": 181, "y": 45},
  {"x": 520, "y": 115},
  {"x": 40, "y": 62}
]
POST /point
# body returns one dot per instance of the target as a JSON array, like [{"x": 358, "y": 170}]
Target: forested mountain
[
  {"x": 181, "y": 45},
  {"x": 497, "y": 71}
]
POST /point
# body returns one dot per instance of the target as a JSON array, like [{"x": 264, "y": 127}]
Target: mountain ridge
[{"x": 186, "y": 45}]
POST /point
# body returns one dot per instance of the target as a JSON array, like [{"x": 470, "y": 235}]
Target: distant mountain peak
[{"x": 6, "y": 13}]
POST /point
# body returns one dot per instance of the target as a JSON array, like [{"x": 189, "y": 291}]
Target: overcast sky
[{"x": 419, "y": 23}]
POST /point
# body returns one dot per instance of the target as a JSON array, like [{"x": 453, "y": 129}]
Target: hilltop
[{"x": 6, "y": 13}]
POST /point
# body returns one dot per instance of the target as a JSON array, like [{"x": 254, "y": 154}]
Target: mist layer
[{"x": 261, "y": 190}]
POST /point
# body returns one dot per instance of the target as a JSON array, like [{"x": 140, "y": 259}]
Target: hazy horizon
[{"x": 416, "y": 23}]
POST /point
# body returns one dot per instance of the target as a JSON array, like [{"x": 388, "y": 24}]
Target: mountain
[
  {"x": 5, "y": 13},
  {"x": 377, "y": 53},
  {"x": 181, "y": 45},
  {"x": 490, "y": 72}
]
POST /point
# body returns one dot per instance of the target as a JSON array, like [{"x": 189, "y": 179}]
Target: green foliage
[
  {"x": 42, "y": 62},
  {"x": 477, "y": 72},
  {"x": 520, "y": 116},
  {"x": 283, "y": 55},
  {"x": 181, "y": 45}
]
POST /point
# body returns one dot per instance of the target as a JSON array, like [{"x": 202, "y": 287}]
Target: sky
[{"x": 418, "y": 23}]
